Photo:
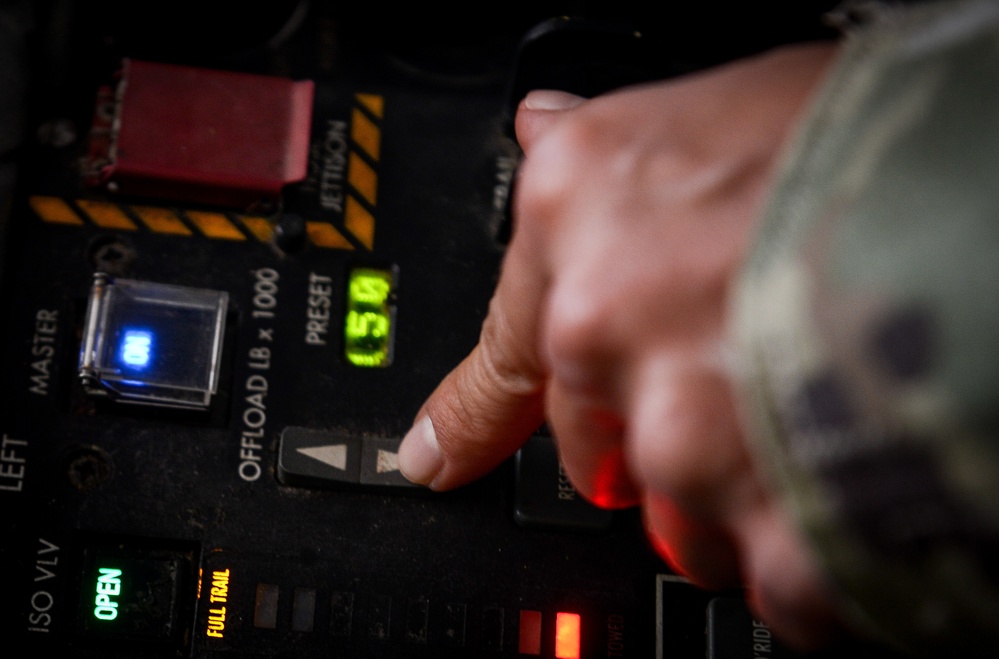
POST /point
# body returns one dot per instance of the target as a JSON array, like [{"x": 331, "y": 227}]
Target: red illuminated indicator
[
  {"x": 530, "y": 633},
  {"x": 567, "y": 630}
]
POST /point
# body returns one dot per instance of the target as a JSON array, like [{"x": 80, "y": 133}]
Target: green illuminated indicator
[
  {"x": 368, "y": 325},
  {"x": 108, "y": 587}
]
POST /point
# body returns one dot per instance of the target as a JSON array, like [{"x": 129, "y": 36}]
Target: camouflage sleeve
[{"x": 866, "y": 324}]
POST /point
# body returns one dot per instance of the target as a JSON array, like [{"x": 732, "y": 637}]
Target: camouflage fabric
[{"x": 866, "y": 324}]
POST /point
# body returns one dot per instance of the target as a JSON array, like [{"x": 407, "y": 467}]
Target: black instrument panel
[{"x": 237, "y": 257}]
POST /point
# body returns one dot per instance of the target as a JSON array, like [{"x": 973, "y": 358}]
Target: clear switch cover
[{"x": 152, "y": 344}]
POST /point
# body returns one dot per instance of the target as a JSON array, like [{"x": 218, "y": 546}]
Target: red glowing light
[{"x": 567, "y": 634}]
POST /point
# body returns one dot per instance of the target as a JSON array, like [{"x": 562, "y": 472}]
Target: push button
[
  {"x": 136, "y": 594},
  {"x": 529, "y": 633},
  {"x": 680, "y": 617},
  {"x": 152, "y": 344},
  {"x": 318, "y": 458},
  {"x": 544, "y": 496},
  {"x": 733, "y": 632},
  {"x": 327, "y": 459},
  {"x": 265, "y": 606},
  {"x": 380, "y": 463},
  {"x": 303, "y": 610}
]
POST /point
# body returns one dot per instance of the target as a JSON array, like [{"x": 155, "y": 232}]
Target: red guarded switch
[{"x": 204, "y": 136}]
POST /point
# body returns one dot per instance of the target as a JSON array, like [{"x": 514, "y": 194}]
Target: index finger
[{"x": 485, "y": 409}]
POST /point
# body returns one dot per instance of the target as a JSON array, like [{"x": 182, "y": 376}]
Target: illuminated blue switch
[{"x": 152, "y": 344}]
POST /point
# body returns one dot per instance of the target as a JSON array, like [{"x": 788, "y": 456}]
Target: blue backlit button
[
  {"x": 137, "y": 594},
  {"x": 318, "y": 458},
  {"x": 380, "y": 463},
  {"x": 152, "y": 344},
  {"x": 544, "y": 497}
]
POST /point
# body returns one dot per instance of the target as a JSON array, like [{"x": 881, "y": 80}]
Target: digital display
[
  {"x": 368, "y": 325},
  {"x": 136, "y": 348}
]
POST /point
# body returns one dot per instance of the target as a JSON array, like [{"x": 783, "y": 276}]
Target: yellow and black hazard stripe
[
  {"x": 185, "y": 223},
  {"x": 362, "y": 167},
  {"x": 155, "y": 219},
  {"x": 175, "y": 222}
]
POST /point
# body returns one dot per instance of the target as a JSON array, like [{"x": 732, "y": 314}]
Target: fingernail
[
  {"x": 551, "y": 99},
  {"x": 419, "y": 454}
]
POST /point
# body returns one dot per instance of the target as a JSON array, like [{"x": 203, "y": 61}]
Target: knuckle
[
  {"x": 578, "y": 326},
  {"x": 703, "y": 552},
  {"x": 671, "y": 460},
  {"x": 685, "y": 442},
  {"x": 508, "y": 368},
  {"x": 550, "y": 175}
]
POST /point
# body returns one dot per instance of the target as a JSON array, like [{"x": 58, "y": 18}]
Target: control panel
[{"x": 241, "y": 244}]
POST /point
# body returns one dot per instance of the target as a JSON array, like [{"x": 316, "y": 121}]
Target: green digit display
[{"x": 368, "y": 330}]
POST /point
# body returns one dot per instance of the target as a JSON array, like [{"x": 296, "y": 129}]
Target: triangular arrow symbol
[
  {"x": 335, "y": 455},
  {"x": 386, "y": 462}
]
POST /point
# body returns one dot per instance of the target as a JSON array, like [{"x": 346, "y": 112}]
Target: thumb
[{"x": 538, "y": 111}]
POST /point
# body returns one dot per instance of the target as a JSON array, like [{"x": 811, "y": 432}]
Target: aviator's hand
[{"x": 633, "y": 213}]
